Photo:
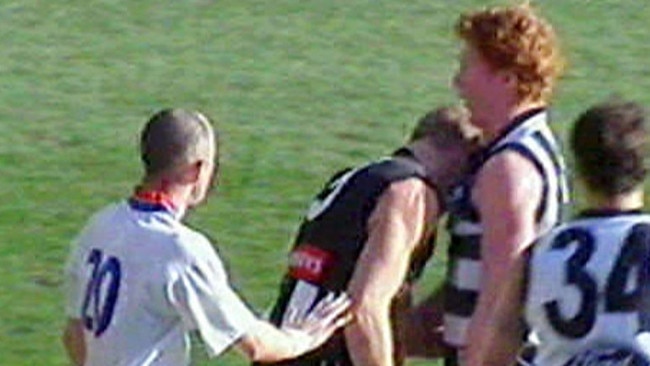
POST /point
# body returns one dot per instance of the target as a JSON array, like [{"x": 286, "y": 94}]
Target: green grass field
[{"x": 297, "y": 88}]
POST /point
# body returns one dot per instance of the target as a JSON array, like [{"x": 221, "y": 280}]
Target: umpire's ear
[{"x": 191, "y": 173}]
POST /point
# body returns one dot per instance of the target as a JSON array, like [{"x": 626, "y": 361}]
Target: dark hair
[
  {"x": 609, "y": 141},
  {"x": 173, "y": 137}
]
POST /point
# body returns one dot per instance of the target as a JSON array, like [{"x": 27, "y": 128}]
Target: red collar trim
[{"x": 153, "y": 199}]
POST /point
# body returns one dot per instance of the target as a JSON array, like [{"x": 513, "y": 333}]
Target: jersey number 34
[{"x": 625, "y": 288}]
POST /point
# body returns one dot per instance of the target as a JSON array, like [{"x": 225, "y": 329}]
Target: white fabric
[
  {"x": 468, "y": 272},
  {"x": 172, "y": 282},
  {"x": 466, "y": 275},
  {"x": 455, "y": 329},
  {"x": 548, "y": 282}
]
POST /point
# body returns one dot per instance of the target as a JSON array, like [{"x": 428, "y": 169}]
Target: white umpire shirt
[{"x": 140, "y": 281}]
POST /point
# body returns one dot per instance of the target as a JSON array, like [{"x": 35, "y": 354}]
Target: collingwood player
[
  {"x": 369, "y": 232},
  {"x": 587, "y": 285},
  {"x": 138, "y": 280}
]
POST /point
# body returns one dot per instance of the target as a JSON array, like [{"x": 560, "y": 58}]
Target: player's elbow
[
  {"x": 368, "y": 312},
  {"x": 366, "y": 306}
]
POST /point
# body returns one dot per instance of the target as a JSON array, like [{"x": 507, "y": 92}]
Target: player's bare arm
[
  {"x": 507, "y": 192},
  {"x": 73, "y": 341},
  {"x": 396, "y": 227},
  {"x": 506, "y": 337}
]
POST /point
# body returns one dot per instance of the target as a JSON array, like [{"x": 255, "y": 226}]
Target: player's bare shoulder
[
  {"x": 412, "y": 190},
  {"x": 509, "y": 171},
  {"x": 412, "y": 198}
]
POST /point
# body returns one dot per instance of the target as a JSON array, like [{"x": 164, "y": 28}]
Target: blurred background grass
[{"x": 298, "y": 89}]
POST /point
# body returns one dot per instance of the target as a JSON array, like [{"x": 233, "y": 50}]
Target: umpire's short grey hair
[{"x": 175, "y": 137}]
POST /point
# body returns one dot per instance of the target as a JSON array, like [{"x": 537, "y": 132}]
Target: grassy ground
[{"x": 298, "y": 90}]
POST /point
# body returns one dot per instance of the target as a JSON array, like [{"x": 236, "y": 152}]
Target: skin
[
  {"x": 506, "y": 331},
  {"x": 507, "y": 191},
  {"x": 397, "y": 226},
  {"x": 489, "y": 94},
  {"x": 266, "y": 343},
  {"x": 405, "y": 216},
  {"x": 73, "y": 341},
  {"x": 185, "y": 188},
  {"x": 188, "y": 187}
]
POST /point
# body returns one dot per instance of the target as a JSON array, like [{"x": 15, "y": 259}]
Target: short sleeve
[
  {"x": 201, "y": 294},
  {"x": 72, "y": 281}
]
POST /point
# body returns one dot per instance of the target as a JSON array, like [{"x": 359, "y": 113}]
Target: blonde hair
[
  {"x": 517, "y": 40},
  {"x": 446, "y": 125}
]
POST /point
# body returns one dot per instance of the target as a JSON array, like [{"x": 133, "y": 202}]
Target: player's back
[
  {"x": 589, "y": 286},
  {"x": 126, "y": 258}
]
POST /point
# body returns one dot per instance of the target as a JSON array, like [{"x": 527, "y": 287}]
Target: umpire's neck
[{"x": 184, "y": 187}]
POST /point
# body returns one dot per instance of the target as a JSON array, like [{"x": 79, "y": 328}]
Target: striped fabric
[{"x": 531, "y": 137}]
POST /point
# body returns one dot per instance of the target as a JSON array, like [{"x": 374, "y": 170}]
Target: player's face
[
  {"x": 458, "y": 157},
  {"x": 478, "y": 84},
  {"x": 451, "y": 160}
]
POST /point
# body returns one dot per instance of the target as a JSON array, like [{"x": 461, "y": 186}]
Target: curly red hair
[{"x": 517, "y": 40}]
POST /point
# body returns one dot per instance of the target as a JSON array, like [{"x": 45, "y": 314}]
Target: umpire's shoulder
[{"x": 192, "y": 245}]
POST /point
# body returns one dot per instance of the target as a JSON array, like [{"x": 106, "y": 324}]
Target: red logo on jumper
[{"x": 309, "y": 263}]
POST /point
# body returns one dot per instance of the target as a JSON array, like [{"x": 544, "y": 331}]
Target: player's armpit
[{"x": 73, "y": 341}]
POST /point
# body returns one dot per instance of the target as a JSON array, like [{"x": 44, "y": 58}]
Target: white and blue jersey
[
  {"x": 139, "y": 280},
  {"x": 530, "y": 136},
  {"x": 589, "y": 288}
]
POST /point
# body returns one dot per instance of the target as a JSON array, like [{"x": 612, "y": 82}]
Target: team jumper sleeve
[
  {"x": 201, "y": 294},
  {"x": 72, "y": 279}
]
